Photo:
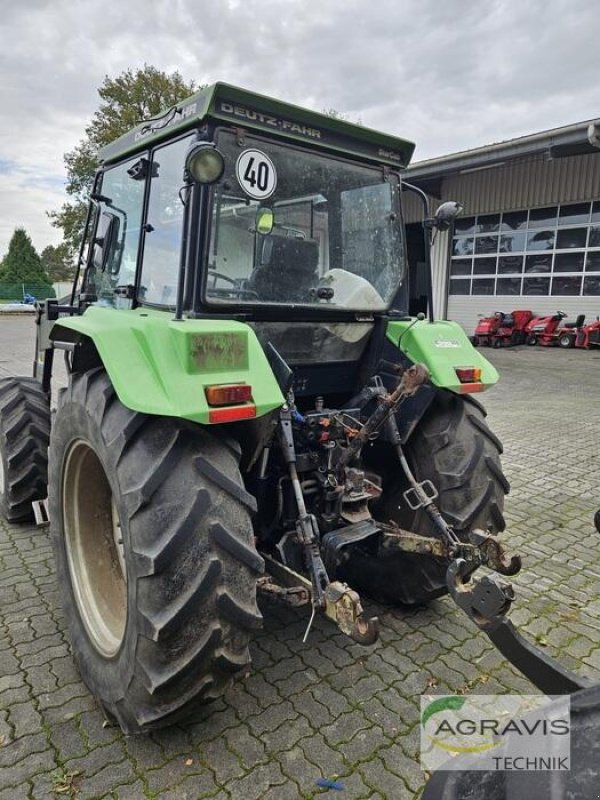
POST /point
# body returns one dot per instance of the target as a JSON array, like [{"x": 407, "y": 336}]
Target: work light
[{"x": 204, "y": 163}]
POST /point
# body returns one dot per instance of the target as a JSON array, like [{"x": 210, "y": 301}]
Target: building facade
[{"x": 529, "y": 235}]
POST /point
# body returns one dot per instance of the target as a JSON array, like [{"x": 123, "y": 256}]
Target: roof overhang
[{"x": 582, "y": 138}]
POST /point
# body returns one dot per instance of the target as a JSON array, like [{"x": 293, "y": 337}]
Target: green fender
[
  {"x": 443, "y": 347},
  {"x": 158, "y": 365}
]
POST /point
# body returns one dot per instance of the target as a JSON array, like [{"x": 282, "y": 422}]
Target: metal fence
[{"x": 24, "y": 292}]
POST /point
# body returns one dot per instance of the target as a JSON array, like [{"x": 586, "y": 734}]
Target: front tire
[
  {"x": 454, "y": 448},
  {"x": 155, "y": 556},
  {"x": 24, "y": 436}
]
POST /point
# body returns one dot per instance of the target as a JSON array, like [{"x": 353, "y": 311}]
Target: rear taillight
[
  {"x": 228, "y": 394},
  {"x": 468, "y": 374},
  {"x": 216, "y": 415},
  {"x": 236, "y": 396}
]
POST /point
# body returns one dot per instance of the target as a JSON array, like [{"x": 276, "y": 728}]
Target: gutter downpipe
[{"x": 427, "y": 236}]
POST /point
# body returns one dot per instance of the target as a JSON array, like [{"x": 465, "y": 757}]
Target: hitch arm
[
  {"x": 486, "y": 603},
  {"x": 334, "y": 599}
]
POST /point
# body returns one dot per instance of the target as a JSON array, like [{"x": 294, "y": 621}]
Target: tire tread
[
  {"x": 24, "y": 435},
  {"x": 191, "y": 557}
]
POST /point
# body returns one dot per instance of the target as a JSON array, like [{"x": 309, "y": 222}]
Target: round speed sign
[{"x": 256, "y": 174}]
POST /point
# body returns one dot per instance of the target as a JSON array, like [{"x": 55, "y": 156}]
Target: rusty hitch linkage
[
  {"x": 334, "y": 599},
  {"x": 488, "y": 600}
]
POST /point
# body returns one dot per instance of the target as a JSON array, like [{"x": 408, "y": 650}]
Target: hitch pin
[{"x": 309, "y": 626}]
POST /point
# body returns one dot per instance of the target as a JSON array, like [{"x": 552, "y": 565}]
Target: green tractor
[{"x": 250, "y": 409}]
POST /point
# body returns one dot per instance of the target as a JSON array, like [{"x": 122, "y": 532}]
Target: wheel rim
[{"x": 95, "y": 550}]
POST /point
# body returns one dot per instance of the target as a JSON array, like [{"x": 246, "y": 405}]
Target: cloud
[{"x": 449, "y": 76}]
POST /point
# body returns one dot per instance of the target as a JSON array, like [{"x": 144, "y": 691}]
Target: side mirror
[
  {"x": 446, "y": 214},
  {"x": 264, "y": 221},
  {"x": 105, "y": 241}
]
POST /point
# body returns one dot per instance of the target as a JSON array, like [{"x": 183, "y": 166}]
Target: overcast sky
[{"x": 449, "y": 75}]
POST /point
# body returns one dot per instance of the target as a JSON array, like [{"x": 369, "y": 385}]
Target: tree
[
  {"x": 21, "y": 270},
  {"x": 57, "y": 262},
  {"x": 127, "y": 100}
]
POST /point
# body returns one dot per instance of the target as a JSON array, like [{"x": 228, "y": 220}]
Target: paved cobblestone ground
[{"x": 328, "y": 708}]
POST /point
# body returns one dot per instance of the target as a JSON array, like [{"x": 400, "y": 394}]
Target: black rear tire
[
  {"x": 453, "y": 448},
  {"x": 24, "y": 436},
  {"x": 566, "y": 340},
  {"x": 161, "y": 617},
  {"x": 531, "y": 340}
]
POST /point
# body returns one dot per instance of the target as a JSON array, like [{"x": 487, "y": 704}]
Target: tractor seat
[
  {"x": 577, "y": 324},
  {"x": 288, "y": 270}
]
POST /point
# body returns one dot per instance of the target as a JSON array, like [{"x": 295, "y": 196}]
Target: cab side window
[
  {"x": 117, "y": 238},
  {"x": 164, "y": 226}
]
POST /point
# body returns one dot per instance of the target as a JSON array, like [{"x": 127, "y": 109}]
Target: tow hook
[
  {"x": 343, "y": 606},
  {"x": 341, "y": 603},
  {"x": 494, "y": 553}
]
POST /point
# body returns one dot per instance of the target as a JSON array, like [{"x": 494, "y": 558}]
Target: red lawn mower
[
  {"x": 502, "y": 330},
  {"x": 551, "y": 330},
  {"x": 588, "y": 336}
]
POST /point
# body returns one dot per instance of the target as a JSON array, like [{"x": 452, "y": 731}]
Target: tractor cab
[
  {"x": 294, "y": 228},
  {"x": 223, "y": 207},
  {"x": 234, "y": 206}
]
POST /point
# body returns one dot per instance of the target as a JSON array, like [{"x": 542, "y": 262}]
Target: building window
[
  {"x": 542, "y": 251},
  {"x": 460, "y": 287},
  {"x": 591, "y": 285},
  {"x": 537, "y": 286},
  {"x": 483, "y": 286},
  {"x": 508, "y": 286},
  {"x": 509, "y": 265}
]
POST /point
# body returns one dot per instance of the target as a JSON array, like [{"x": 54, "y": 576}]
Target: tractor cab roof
[{"x": 222, "y": 103}]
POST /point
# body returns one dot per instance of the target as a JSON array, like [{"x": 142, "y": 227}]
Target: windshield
[{"x": 292, "y": 226}]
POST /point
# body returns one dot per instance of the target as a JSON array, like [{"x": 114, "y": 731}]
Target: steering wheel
[
  {"x": 235, "y": 291},
  {"x": 214, "y": 275}
]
